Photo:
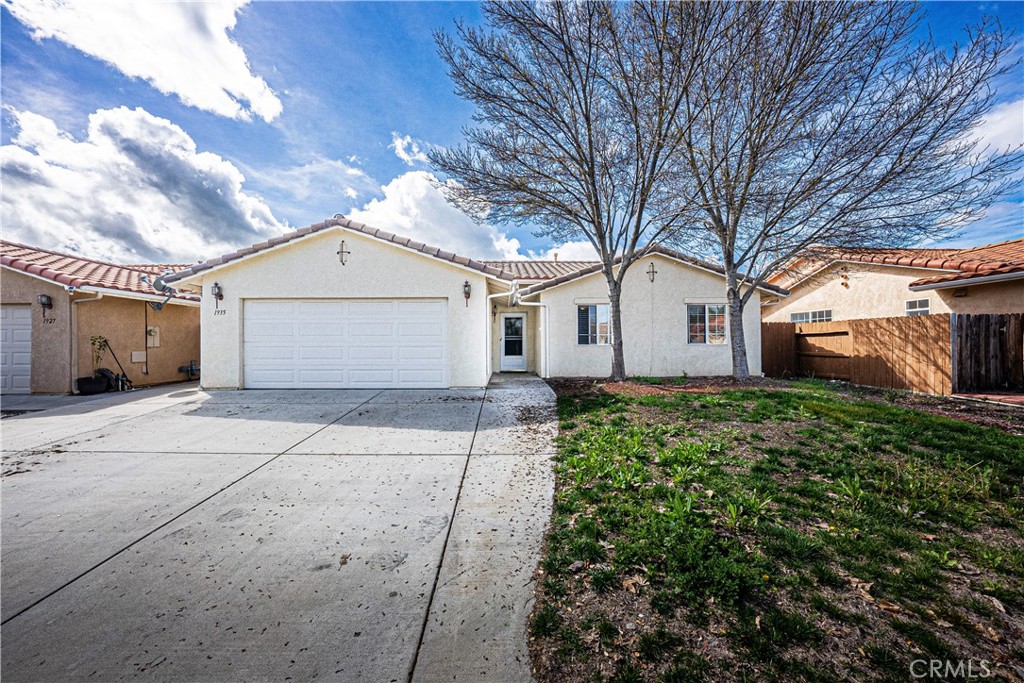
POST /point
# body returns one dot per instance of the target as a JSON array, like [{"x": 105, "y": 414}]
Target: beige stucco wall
[
  {"x": 654, "y": 324},
  {"x": 998, "y": 297},
  {"x": 855, "y": 291},
  {"x": 123, "y": 322},
  {"x": 531, "y": 336},
  {"x": 51, "y": 341},
  {"x": 310, "y": 269}
]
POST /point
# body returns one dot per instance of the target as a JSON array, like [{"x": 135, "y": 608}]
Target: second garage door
[
  {"x": 15, "y": 349},
  {"x": 345, "y": 344}
]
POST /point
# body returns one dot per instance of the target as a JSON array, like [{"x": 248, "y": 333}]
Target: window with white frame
[
  {"x": 705, "y": 323},
  {"x": 917, "y": 307},
  {"x": 593, "y": 324},
  {"x": 822, "y": 316}
]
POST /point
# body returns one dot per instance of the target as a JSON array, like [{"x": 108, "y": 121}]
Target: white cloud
[
  {"x": 567, "y": 251},
  {"x": 1004, "y": 127},
  {"x": 135, "y": 189},
  {"x": 414, "y": 207},
  {"x": 407, "y": 149},
  {"x": 311, "y": 191},
  {"x": 180, "y": 48}
]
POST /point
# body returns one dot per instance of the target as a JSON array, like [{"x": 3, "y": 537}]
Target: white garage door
[
  {"x": 15, "y": 349},
  {"x": 345, "y": 344}
]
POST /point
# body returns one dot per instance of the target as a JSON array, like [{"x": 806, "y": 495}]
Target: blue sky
[{"x": 214, "y": 125}]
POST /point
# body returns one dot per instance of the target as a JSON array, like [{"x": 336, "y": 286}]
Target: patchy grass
[
  {"x": 790, "y": 533},
  {"x": 659, "y": 381}
]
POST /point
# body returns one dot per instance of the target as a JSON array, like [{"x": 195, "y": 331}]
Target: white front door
[
  {"x": 346, "y": 344},
  {"x": 15, "y": 349},
  {"x": 512, "y": 341}
]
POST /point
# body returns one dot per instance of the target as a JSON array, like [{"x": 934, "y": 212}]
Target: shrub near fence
[{"x": 900, "y": 353}]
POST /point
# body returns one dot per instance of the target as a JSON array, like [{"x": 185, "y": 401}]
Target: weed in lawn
[
  {"x": 546, "y": 621},
  {"x": 687, "y": 667},
  {"x": 655, "y": 646},
  {"x": 604, "y": 580}
]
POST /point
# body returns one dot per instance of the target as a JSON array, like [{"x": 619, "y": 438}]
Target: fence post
[{"x": 954, "y": 355}]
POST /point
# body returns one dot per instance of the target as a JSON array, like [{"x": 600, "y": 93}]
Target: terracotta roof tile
[
  {"x": 544, "y": 273},
  {"x": 347, "y": 224},
  {"x": 76, "y": 271},
  {"x": 962, "y": 264},
  {"x": 540, "y": 270},
  {"x": 595, "y": 267}
]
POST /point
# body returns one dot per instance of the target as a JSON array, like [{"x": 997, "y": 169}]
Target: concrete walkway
[{"x": 268, "y": 535}]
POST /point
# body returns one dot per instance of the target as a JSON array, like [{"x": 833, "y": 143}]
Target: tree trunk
[
  {"x": 615, "y": 314},
  {"x": 737, "y": 338}
]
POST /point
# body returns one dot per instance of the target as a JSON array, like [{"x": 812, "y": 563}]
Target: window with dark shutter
[
  {"x": 593, "y": 325},
  {"x": 583, "y": 317}
]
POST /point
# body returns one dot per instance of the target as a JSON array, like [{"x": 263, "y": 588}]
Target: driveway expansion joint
[{"x": 447, "y": 537}]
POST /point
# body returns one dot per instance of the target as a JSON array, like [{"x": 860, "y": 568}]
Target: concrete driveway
[{"x": 276, "y": 535}]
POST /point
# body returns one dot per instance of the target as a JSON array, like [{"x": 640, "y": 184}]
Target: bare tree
[
  {"x": 580, "y": 107},
  {"x": 828, "y": 123}
]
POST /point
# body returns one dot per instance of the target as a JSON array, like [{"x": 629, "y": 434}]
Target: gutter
[
  {"x": 546, "y": 343},
  {"x": 487, "y": 327},
  {"x": 969, "y": 282},
  {"x": 74, "y": 332},
  {"x": 133, "y": 295}
]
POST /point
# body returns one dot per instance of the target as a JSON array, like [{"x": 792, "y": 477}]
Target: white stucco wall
[
  {"x": 309, "y": 269},
  {"x": 855, "y": 291},
  {"x": 654, "y": 324}
]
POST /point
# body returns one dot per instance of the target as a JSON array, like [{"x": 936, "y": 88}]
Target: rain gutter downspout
[
  {"x": 74, "y": 331},
  {"x": 488, "y": 361},
  {"x": 545, "y": 373}
]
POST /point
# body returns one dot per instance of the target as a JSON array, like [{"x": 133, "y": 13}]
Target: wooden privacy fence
[
  {"x": 988, "y": 351},
  {"x": 935, "y": 354}
]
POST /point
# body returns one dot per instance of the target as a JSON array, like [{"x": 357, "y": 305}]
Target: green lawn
[{"x": 778, "y": 535}]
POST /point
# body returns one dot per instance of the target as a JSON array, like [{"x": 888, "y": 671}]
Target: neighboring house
[
  {"x": 849, "y": 284},
  {"x": 52, "y": 305},
  {"x": 340, "y": 304}
]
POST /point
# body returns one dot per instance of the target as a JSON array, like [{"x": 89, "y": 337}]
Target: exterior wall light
[
  {"x": 44, "y": 300},
  {"x": 467, "y": 290},
  {"x": 651, "y": 272},
  {"x": 217, "y": 292}
]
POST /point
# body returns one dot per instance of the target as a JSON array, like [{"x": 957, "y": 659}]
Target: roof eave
[
  {"x": 969, "y": 281},
  {"x": 191, "y": 276}
]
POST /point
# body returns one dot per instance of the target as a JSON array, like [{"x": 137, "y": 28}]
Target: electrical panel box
[{"x": 138, "y": 356}]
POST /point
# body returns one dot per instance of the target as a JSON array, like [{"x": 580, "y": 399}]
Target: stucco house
[
  {"x": 851, "y": 284},
  {"x": 52, "y": 304},
  {"x": 340, "y": 304}
]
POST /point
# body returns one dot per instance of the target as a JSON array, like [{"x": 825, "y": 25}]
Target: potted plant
[{"x": 97, "y": 383}]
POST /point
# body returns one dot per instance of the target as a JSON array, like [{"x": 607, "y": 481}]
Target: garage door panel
[
  {"x": 269, "y": 310},
  {"x": 421, "y": 353},
  {"x": 420, "y": 330},
  {"x": 421, "y": 309},
  {"x": 346, "y": 344},
  {"x": 419, "y": 379},
  {"x": 372, "y": 353},
  {"x": 270, "y": 351},
  {"x": 268, "y": 328},
  {"x": 371, "y": 309},
  {"x": 323, "y": 329},
  {"x": 15, "y": 349},
  {"x": 383, "y": 330}
]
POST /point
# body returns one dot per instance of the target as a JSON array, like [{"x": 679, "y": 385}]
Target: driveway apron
[{"x": 275, "y": 535}]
